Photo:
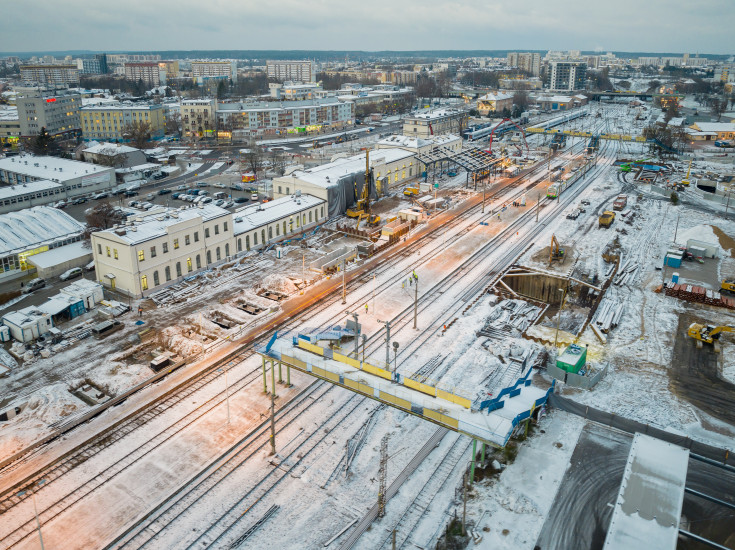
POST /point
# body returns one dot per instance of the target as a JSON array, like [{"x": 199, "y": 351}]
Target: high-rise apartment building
[
  {"x": 58, "y": 75},
  {"x": 567, "y": 75},
  {"x": 148, "y": 72},
  {"x": 96, "y": 65},
  {"x": 58, "y": 112},
  {"x": 302, "y": 71},
  {"x": 202, "y": 69},
  {"x": 527, "y": 61},
  {"x": 110, "y": 122}
]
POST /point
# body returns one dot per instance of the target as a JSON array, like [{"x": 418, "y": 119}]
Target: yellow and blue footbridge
[{"x": 490, "y": 421}]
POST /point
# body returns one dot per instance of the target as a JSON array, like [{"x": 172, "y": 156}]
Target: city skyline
[{"x": 655, "y": 26}]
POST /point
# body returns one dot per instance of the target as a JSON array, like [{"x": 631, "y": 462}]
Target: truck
[
  {"x": 606, "y": 219},
  {"x": 411, "y": 190},
  {"x": 620, "y": 202}
]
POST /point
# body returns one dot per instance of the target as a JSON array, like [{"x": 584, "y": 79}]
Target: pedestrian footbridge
[{"x": 491, "y": 421}]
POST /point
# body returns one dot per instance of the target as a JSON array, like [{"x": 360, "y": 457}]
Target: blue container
[{"x": 675, "y": 278}]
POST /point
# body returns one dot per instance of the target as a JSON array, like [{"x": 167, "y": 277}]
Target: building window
[
  {"x": 284, "y": 228},
  {"x": 239, "y": 245},
  {"x": 206, "y": 232},
  {"x": 209, "y": 257},
  {"x": 227, "y": 250},
  {"x": 165, "y": 248},
  {"x": 270, "y": 232},
  {"x": 153, "y": 252},
  {"x": 144, "y": 282},
  {"x": 178, "y": 269},
  {"x": 99, "y": 248},
  {"x": 219, "y": 254},
  {"x": 280, "y": 192},
  {"x": 196, "y": 236},
  {"x": 168, "y": 273},
  {"x": 199, "y": 262},
  {"x": 262, "y": 236},
  {"x": 187, "y": 242},
  {"x": 141, "y": 255},
  {"x": 216, "y": 229},
  {"x": 176, "y": 244},
  {"x": 114, "y": 253},
  {"x": 107, "y": 248},
  {"x": 309, "y": 216},
  {"x": 247, "y": 241},
  {"x": 156, "y": 282},
  {"x": 225, "y": 227},
  {"x": 322, "y": 212},
  {"x": 278, "y": 230},
  {"x": 188, "y": 265}
]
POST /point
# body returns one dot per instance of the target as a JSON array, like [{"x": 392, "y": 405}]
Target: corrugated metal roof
[{"x": 34, "y": 227}]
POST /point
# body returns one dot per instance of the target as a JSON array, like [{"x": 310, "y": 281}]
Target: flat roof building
[
  {"x": 434, "y": 122},
  {"x": 302, "y": 71},
  {"x": 57, "y": 111},
  {"x": 110, "y": 122},
  {"x": 58, "y": 75},
  {"x": 149, "y": 72},
  {"x": 567, "y": 75}
]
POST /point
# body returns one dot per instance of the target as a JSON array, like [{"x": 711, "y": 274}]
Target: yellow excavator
[
  {"x": 556, "y": 253},
  {"x": 685, "y": 181},
  {"x": 708, "y": 334},
  {"x": 728, "y": 285},
  {"x": 362, "y": 208}
]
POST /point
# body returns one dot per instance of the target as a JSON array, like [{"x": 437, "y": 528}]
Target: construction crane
[
  {"x": 685, "y": 181},
  {"x": 362, "y": 208},
  {"x": 523, "y": 135},
  {"x": 555, "y": 251},
  {"x": 708, "y": 334}
]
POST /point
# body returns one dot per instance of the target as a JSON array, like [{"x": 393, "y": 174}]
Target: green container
[{"x": 573, "y": 359}]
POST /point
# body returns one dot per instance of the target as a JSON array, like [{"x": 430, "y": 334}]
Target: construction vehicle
[
  {"x": 411, "y": 190},
  {"x": 620, "y": 202},
  {"x": 685, "y": 181},
  {"x": 502, "y": 122},
  {"x": 708, "y": 334},
  {"x": 362, "y": 205},
  {"x": 556, "y": 253},
  {"x": 606, "y": 219},
  {"x": 728, "y": 285}
]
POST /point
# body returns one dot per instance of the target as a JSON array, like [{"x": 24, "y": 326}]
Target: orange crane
[{"x": 523, "y": 135}]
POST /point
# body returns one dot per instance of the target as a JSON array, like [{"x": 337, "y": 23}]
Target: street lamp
[
  {"x": 227, "y": 393},
  {"x": 395, "y": 359},
  {"x": 35, "y": 508}
]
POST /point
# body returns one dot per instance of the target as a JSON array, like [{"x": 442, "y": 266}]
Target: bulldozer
[
  {"x": 728, "y": 286},
  {"x": 556, "y": 253},
  {"x": 708, "y": 334}
]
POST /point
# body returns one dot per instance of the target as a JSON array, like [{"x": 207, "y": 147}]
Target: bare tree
[
  {"x": 278, "y": 163},
  {"x": 138, "y": 133},
  {"x": 111, "y": 160},
  {"x": 520, "y": 98},
  {"x": 173, "y": 124},
  {"x": 718, "y": 106},
  {"x": 253, "y": 159},
  {"x": 101, "y": 216}
]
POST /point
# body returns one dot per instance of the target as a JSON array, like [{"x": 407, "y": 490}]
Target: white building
[
  {"x": 33, "y": 231},
  {"x": 303, "y": 71},
  {"x": 28, "y": 324},
  {"x": 149, "y": 253},
  {"x": 214, "y": 69},
  {"x": 434, "y": 122}
]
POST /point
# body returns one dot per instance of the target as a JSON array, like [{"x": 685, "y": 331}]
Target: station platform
[{"x": 491, "y": 425}]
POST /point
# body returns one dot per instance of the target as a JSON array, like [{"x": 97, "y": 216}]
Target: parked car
[
  {"x": 99, "y": 196},
  {"x": 585, "y": 202},
  {"x": 220, "y": 186},
  {"x": 202, "y": 184},
  {"x": 254, "y": 197},
  {"x": 33, "y": 285},
  {"x": 71, "y": 274},
  {"x": 182, "y": 188},
  {"x": 133, "y": 204},
  {"x": 159, "y": 176},
  {"x": 164, "y": 191},
  {"x": 219, "y": 195},
  {"x": 150, "y": 196},
  {"x": 203, "y": 193},
  {"x": 228, "y": 204},
  {"x": 219, "y": 202},
  {"x": 240, "y": 200},
  {"x": 131, "y": 193},
  {"x": 175, "y": 195}
]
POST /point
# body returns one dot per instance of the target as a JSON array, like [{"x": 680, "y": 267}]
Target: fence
[{"x": 722, "y": 456}]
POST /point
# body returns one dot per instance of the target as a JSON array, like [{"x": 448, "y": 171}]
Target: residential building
[
  {"x": 109, "y": 122},
  {"x": 526, "y": 61},
  {"x": 148, "y": 72},
  {"x": 227, "y": 69},
  {"x": 198, "y": 117},
  {"x": 9, "y": 125},
  {"x": 275, "y": 118},
  {"x": 296, "y": 91},
  {"x": 520, "y": 83},
  {"x": 434, "y": 122},
  {"x": 567, "y": 75},
  {"x": 494, "y": 103},
  {"x": 170, "y": 68},
  {"x": 649, "y": 61},
  {"x": 33, "y": 231},
  {"x": 58, "y": 112},
  {"x": 57, "y": 75},
  {"x": 95, "y": 65},
  {"x": 142, "y": 257},
  {"x": 122, "y": 58},
  {"x": 302, "y": 71}
]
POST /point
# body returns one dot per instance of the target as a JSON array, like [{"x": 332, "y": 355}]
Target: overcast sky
[{"x": 623, "y": 25}]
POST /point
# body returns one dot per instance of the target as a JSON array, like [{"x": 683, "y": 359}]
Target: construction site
[{"x": 425, "y": 370}]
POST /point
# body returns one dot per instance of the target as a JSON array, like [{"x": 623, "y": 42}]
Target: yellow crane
[
  {"x": 708, "y": 334},
  {"x": 685, "y": 181}
]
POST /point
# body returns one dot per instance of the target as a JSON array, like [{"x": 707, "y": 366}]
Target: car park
[{"x": 71, "y": 274}]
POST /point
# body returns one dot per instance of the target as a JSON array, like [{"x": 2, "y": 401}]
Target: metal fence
[{"x": 722, "y": 456}]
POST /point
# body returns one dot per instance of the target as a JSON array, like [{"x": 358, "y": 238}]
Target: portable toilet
[
  {"x": 279, "y": 252},
  {"x": 573, "y": 359},
  {"x": 675, "y": 278},
  {"x": 4, "y": 333}
]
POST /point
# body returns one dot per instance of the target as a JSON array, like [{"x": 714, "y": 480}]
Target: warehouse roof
[
  {"x": 56, "y": 256},
  {"x": 34, "y": 227},
  {"x": 404, "y": 141},
  {"x": 50, "y": 168},
  {"x": 714, "y": 126},
  {"x": 11, "y": 191},
  {"x": 258, "y": 215},
  {"x": 495, "y": 97}
]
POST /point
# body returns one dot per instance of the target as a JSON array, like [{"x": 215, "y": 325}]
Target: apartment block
[
  {"x": 526, "y": 61},
  {"x": 567, "y": 75},
  {"x": 58, "y": 112},
  {"x": 198, "y": 117},
  {"x": 148, "y": 72},
  {"x": 57, "y": 75},
  {"x": 108, "y": 122},
  {"x": 204, "y": 69},
  {"x": 302, "y": 71}
]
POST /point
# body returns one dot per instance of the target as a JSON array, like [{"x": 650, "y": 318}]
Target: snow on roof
[
  {"x": 57, "y": 304},
  {"x": 139, "y": 168},
  {"x": 327, "y": 175},
  {"x": 8, "y": 113},
  {"x": 404, "y": 141},
  {"x": 48, "y": 168},
  {"x": 495, "y": 97},
  {"x": 11, "y": 191},
  {"x": 648, "y": 508},
  {"x": 23, "y": 317},
  {"x": 556, "y": 98},
  {"x": 109, "y": 149},
  {"x": 435, "y": 114},
  {"x": 153, "y": 227},
  {"x": 258, "y": 215},
  {"x": 59, "y": 255},
  {"x": 715, "y": 126},
  {"x": 34, "y": 227}
]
